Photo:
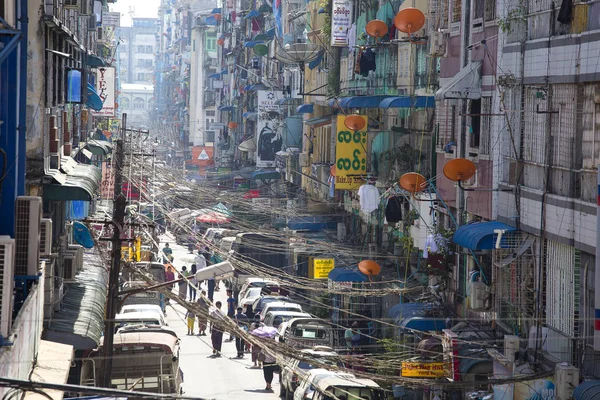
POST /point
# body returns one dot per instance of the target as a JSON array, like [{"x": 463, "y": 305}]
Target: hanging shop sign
[
  {"x": 269, "y": 128},
  {"x": 350, "y": 156},
  {"x": 341, "y": 21},
  {"x": 105, "y": 86},
  {"x": 111, "y": 18},
  {"x": 423, "y": 369},
  {"x": 320, "y": 268}
]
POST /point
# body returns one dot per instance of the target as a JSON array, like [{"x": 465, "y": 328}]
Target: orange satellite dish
[
  {"x": 221, "y": 42},
  {"x": 376, "y": 28},
  {"x": 217, "y": 16},
  {"x": 354, "y": 122},
  {"x": 409, "y": 20},
  {"x": 412, "y": 182},
  {"x": 459, "y": 169},
  {"x": 369, "y": 268},
  {"x": 333, "y": 170},
  {"x": 232, "y": 125}
]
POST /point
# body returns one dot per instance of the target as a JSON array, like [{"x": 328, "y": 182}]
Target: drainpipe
[
  {"x": 597, "y": 276},
  {"x": 22, "y": 24}
]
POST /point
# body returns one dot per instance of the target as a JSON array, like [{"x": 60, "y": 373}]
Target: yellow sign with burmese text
[
  {"x": 321, "y": 267},
  {"x": 350, "y": 156},
  {"x": 424, "y": 369}
]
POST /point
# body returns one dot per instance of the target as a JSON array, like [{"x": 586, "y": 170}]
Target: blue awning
[
  {"x": 271, "y": 33},
  {"x": 226, "y": 108},
  {"x": 251, "y": 115},
  {"x": 224, "y": 71},
  {"x": 414, "y": 316},
  {"x": 214, "y": 76},
  {"x": 247, "y": 87},
  {"x": 362, "y": 101},
  {"x": 408, "y": 102},
  {"x": 305, "y": 109},
  {"x": 311, "y": 224},
  {"x": 343, "y": 274},
  {"x": 314, "y": 63},
  {"x": 95, "y": 61},
  {"x": 210, "y": 20},
  {"x": 252, "y": 43},
  {"x": 216, "y": 11},
  {"x": 252, "y": 14},
  {"x": 258, "y": 86},
  {"x": 287, "y": 100},
  {"x": 318, "y": 121},
  {"x": 93, "y": 99},
  {"x": 479, "y": 235}
]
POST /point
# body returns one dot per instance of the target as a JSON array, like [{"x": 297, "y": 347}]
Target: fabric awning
[
  {"x": 216, "y": 11},
  {"x": 73, "y": 182},
  {"x": 224, "y": 71},
  {"x": 252, "y": 14},
  {"x": 479, "y": 235},
  {"x": 252, "y": 43},
  {"x": 93, "y": 99},
  {"x": 95, "y": 61},
  {"x": 415, "y": 316},
  {"x": 362, "y": 101},
  {"x": 314, "y": 63},
  {"x": 98, "y": 147},
  {"x": 318, "y": 121},
  {"x": 226, "y": 108},
  {"x": 214, "y": 76},
  {"x": 408, "y": 102},
  {"x": 251, "y": 115},
  {"x": 261, "y": 37},
  {"x": 287, "y": 100},
  {"x": 258, "y": 86},
  {"x": 464, "y": 85},
  {"x": 346, "y": 275},
  {"x": 305, "y": 109}
]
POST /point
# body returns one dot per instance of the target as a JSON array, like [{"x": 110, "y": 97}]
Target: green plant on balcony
[{"x": 514, "y": 15}]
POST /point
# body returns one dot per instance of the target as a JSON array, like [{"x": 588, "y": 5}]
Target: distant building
[
  {"x": 137, "y": 101},
  {"x": 137, "y": 51}
]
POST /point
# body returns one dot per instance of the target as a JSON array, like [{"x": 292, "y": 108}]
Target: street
[{"x": 213, "y": 378}]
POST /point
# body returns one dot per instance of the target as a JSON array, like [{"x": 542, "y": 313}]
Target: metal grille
[
  {"x": 22, "y": 215},
  {"x": 562, "y": 287},
  {"x": 486, "y": 126}
]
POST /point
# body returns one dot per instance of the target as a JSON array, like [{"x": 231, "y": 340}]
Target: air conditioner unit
[
  {"x": 7, "y": 259},
  {"x": 48, "y": 286},
  {"x": 69, "y": 267},
  {"x": 304, "y": 159},
  {"x": 511, "y": 346},
  {"x": 46, "y": 237},
  {"x": 437, "y": 44},
  {"x": 77, "y": 251},
  {"x": 567, "y": 379},
  {"x": 71, "y": 4},
  {"x": 28, "y": 215},
  {"x": 479, "y": 295}
]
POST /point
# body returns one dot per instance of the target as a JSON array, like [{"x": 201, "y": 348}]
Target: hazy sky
[{"x": 140, "y": 8}]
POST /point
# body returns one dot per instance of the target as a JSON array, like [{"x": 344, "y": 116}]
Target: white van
[
  {"x": 306, "y": 388},
  {"x": 279, "y": 306},
  {"x": 276, "y": 318},
  {"x": 340, "y": 387}
]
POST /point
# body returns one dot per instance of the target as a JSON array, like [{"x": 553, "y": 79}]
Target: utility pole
[{"x": 113, "y": 282}]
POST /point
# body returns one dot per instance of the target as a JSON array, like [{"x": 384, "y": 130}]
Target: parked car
[
  {"x": 276, "y": 318},
  {"x": 254, "y": 282},
  {"x": 305, "y": 333},
  {"x": 140, "y": 317},
  {"x": 249, "y": 297},
  {"x": 213, "y": 235},
  {"x": 293, "y": 370},
  {"x": 131, "y": 308},
  {"x": 260, "y": 302},
  {"x": 306, "y": 388},
  {"x": 336, "y": 387},
  {"x": 279, "y": 306}
]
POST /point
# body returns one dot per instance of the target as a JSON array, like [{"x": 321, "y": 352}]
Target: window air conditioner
[
  {"x": 28, "y": 214},
  {"x": 46, "y": 237},
  {"x": 77, "y": 251},
  {"x": 7, "y": 259},
  {"x": 304, "y": 159},
  {"x": 69, "y": 270},
  {"x": 478, "y": 295}
]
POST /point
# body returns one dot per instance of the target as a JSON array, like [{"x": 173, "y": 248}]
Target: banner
[
  {"x": 350, "y": 156},
  {"x": 105, "y": 86},
  {"x": 107, "y": 187},
  {"x": 423, "y": 369},
  {"x": 341, "y": 21},
  {"x": 320, "y": 268},
  {"x": 269, "y": 128}
]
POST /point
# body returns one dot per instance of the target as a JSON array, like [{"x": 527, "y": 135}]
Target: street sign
[
  {"x": 111, "y": 19},
  {"x": 203, "y": 155},
  {"x": 423, "y": 369}
]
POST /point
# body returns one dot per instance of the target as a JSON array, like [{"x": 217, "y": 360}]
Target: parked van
[
  {"x": 337, "y": 387},
  {"x": 305, "y": 333},
  {"x": 276, "y": 318},
  {"x": 279, "y": 306},
  {"x": 306, "y": 388}
]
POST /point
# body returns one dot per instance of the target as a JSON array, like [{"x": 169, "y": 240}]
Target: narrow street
[{"x": 214, "y": 378}]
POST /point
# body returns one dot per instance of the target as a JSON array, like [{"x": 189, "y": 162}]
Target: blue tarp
[
  {"x": 342, "y": 274},
  {"x": 252, "y": 14},
  {"x": 479, "y": 235},
  {"x": 362, "y": 101},
  {"x": 314, "y": 63},
  {"x": 305, "y": 109},
  {"x": 252, "y": 43},
  {"x": 414, "y": 316},
  {"x": 408, "y": 102}
]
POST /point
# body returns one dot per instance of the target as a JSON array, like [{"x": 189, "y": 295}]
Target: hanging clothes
[
  {"x": 367, "y": 62},
  {"x": 430, "y": 246},
  {"x": 369, "y": 198},
  {"x": 565, "y": 14},
  {"x": 393, "y": 210},
  {"x": 331, "y": 182},
  {"x": 352, "y": 38},
  {"x": 357, "y": 61}
]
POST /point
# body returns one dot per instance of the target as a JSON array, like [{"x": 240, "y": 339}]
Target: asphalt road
[{"x": 206, "y": 377}]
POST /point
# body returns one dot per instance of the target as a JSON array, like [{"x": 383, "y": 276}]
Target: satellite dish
[
  {"x": 409, "y": 20},
  {"x": 369, "y": 267},
  {"x": 413, "y": 182},
  {"x": 376, "y": 28},
  {"x": 260, "y": 49},
  {"x": 298, "y": 53},
  {"x": 333, "y": 170},
  {"x": 82, "y": 235},
  {"x": 354, "y": 122},
  {"x": 459, "y": 169}
]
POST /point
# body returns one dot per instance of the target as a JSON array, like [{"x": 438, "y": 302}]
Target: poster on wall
[
  {"x": 341, "y": 21},
  {"x": 269, "y": 128},
  {"x": 350, "y": 156},
  {"x": 105, "y": 86}
]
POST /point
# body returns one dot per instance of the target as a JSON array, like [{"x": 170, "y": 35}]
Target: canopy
[
  {"x": 408, "y": 102},
  {"x": 362, "y": 101},
  {"x": 319, "y": 121},
  {"x": 314, "y": 63},
  {"x": 251, "y": 115},
  {"x": 414, "y": 316},
  {"x": 226, "y": 108},
  {"x": 263, "y": 174},
  {"x": 218, "y": 214},
  {"x": 98, "y": 147},
  {"x": 305, "y": 109},
  {"x": 479, "y": 235},
  {"x": 252, "y": 43},
  {"x": 95, "y": 61},
  {"x": 464, "y": 85},
  {"x": 252, "y": 14},
  {"x": 214, "y": 76},
  {"x": 258, "y": 86},
  {"x": 93, "y": 99},
  {"x": 224, "y": 71},
  {"x": 343, "y": 274}
]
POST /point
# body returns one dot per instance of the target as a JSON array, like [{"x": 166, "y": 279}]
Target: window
[
  {"x": 144, "y": 63},
  {"x": 140, "y": 49},
  {"x": 124, "y": 104},
  {"x": 139, "y": 103},
  {"x": 149, "y": 49},
  {"x": 211, "y": 43},
  {"x": 475, "y": 129},
  {"x": 456, "y": 10},
  {"x": 210, "y": 113},
  {"x": 141, "y": 76},
  {"x": 485, "y": 9}
]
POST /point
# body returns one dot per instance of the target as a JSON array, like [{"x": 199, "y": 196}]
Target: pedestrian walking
[
  {"x": 193, "y": 282},
  {"x": 191, "y": 320},
  {"x": 182, "y": 291},
  {"x": 202, "y": 319},
  {"x": 269, "y": 366},
  {"x": 255, "y": 350},
  {"x": 231, "y": 306},
  {"x": 242, "y": 322},
  {"x": 216, "y": 331},
  {"x": 168, "y": 252}
]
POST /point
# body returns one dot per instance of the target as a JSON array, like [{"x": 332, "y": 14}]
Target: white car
[
  {"x": 249, "y": 297},
  {"x": 336, "y": 386},
  {"x": 279, "y": 306},
  {"x": 306, "y": 388},
  {"x": 276, "y": 318},
  {"x": 254, "y": 283},
  {"x": 140, "y": 317},
  {"x": 130, "y": 308}
]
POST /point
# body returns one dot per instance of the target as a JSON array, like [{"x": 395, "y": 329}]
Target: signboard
[
  {"x": 332, "y": 285},
  {"x": 107, "y": 186},
  {"x": 341, "y": 21},
  {"x": 350, "y": 156},
  {"x": 320, "y": 268},
  {"x": 423, "y": 369},
  {"x": 269, "y": 127},
  {"x": 261, "y": 203},
  {"x": 105, "y": 86},
  {"x": 111, "y": 18}
]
